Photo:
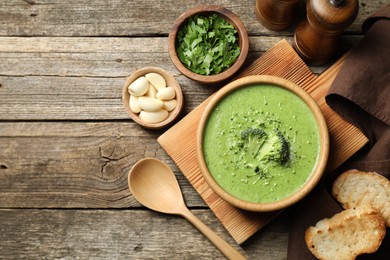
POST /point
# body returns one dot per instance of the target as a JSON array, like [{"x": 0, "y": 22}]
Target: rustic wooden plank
[
  {"x": 76, "y": 164},
  {"x": 124, "y": 234},
  {"x": 127, "y": 18},
  {"x": 103, "y": 57},
  {"x": 60, "y": 78},
  {"x": 93, "y": 57},
  {"x": 66, "y": 142}
]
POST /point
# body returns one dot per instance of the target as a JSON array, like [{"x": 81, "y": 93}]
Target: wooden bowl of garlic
[{"x": 152, "y": 97}]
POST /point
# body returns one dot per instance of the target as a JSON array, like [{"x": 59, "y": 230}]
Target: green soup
[{"x": 270, "y": 108}]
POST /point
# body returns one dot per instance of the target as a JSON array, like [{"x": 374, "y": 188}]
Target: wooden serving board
[{"x": 281, "y": 60}]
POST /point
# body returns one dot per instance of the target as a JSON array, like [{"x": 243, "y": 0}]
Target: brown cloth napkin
[{"x": 360, "y": 93}]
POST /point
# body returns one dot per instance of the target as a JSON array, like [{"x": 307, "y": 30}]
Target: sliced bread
[
  {"x": 347, "y": 234},
  {"x": 354, "y": 188}
]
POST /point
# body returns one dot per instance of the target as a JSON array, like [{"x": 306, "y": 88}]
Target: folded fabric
[{"x": 360, "y": 93}]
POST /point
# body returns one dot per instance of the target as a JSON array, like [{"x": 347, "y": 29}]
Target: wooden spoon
[{"x": 154, "y": 185}]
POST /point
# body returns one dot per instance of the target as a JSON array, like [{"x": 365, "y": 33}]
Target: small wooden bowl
[
  {"x": 243, "y": 42},
  {"x": 323, "y": 149},
  {"x": 171, "y": 81}
]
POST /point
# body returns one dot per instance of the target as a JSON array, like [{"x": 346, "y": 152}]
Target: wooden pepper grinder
[
  {"x": 276, "y": 15},
  {"x": 316, "y": 38}
]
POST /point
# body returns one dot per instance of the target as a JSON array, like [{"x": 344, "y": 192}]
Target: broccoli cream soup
[{"x": 261, "y": 143}]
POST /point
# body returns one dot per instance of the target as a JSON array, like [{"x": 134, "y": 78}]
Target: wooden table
[{"x": 67, "y": 144}]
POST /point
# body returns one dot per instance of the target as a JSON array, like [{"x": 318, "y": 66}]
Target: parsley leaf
[{"x": 207, "y": 45}]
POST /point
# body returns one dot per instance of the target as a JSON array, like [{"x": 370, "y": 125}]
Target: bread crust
[
  {"x": 354, "y": 188},
  {"x": 347, "y": 234}
]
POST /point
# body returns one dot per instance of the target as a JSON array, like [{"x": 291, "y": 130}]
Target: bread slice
[
  {"x": 347, "y": 234},
  {"x": 354, "y": 188}
]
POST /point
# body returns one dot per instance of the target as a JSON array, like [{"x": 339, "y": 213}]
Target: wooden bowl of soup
[
  {"x": 262, "y": 143},
  {"x": 208, "y": 44}
]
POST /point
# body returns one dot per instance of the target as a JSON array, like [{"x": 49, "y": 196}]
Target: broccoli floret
[
  {"x": 264, "y": 147},
  {"x": 252, "y": 140},
  {"x": 276, "y": 148}
]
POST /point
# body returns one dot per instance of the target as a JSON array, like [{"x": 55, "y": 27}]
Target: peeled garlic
[
  {"x": 133, "y": 103},
  {"x": 170, "y": 105},
  {"x": 156, "y": 80},
  {"x": 150, "y": 104},
  {"x": 167, "y": 93},
  {"x": 151, "y": 98},
  {"x": 151, "y": 92},
  {"x": 139, "y": 86},
  {"x": 154, "y": 117}
]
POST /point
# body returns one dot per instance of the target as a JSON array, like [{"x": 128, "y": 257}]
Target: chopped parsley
[{"x": 207, "y": 45}]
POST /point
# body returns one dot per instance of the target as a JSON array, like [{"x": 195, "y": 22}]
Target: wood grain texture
[
  {"x": 124, "y": 234},
  {"x": 76, "y": 164},
  {"x": 125, "y": 18},
  {"x": 66, "y": 143},
  {"x": 60, "y": 78},
  {"x": 281, "y": 60}
]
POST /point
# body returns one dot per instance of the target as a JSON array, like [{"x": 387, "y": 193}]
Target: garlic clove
[
  {"x": 154, "y": 117},
  {"x": 167, "y": 93},
  {"x": 139, "y": 86},
  {"x": 150, "y": 104},
  {"x": 134, "y": 104},
  {"x": 151, "y": 92},
  {"x": 156, "y": 80},
  {"x": 170, "y": 105}
]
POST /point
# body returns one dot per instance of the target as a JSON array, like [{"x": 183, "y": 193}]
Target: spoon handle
[{"x": 221, "y": 244}]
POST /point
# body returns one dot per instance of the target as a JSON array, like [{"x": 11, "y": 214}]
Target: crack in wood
[
  {"x": 107, "y": 167},
  {"x": 31, "y": 2},
  {"x": 138, "y": 248},
  {"x": 105, "y": 159}
]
